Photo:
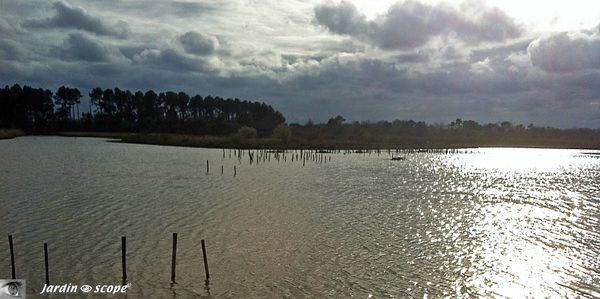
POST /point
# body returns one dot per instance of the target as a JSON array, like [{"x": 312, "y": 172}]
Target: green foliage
[
  {"x": 336, "y": 121},
  {"x": 246, "y": 132},
  {"x": 282, "y": 132}
]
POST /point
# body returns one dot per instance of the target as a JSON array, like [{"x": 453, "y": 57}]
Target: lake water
[{"x": 483, "y": 222}]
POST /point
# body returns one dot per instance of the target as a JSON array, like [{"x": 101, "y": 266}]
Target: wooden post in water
[
  {"x": 46, "y": 263},
  {"x": 124, "y": 257},
  {"x": 234, "y": 171},
  {"x": 205, "y": 260},
  {"x": 174, "y": 257},
  {"x": 221, "y": 169},
  {"x": 12, "y": 257},
  {"x": 207, "y": 166}
]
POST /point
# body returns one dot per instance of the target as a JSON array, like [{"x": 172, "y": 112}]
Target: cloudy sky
[{"x": 522, "y": 61}]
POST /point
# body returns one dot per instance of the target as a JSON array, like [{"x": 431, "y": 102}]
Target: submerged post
[
  {"x": 207, "y": 166},
  {"x": 174, "y": 257},
  {"x": 46, "y": 263},
  {"x": 12, "y": 256},
  {"x": 205, "y": 260},
  {"x": 124, "y": 257},
  {"x": 234, "y": 171}
]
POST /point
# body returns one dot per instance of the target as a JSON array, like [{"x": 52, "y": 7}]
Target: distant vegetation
[
  {"x": 175, "y": 118},
  {"x": 10, "y": 133},
  {"x": 37, "y": 110},
  {"x": 336, "y": 133}
]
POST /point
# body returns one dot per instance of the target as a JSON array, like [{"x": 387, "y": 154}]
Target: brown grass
[
  {"x": 10, "y": 133},
  {"x": 187, "y": 140}
]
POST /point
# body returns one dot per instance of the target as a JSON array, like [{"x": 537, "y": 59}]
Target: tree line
[
  {"x": 337, "y": 133},
  {"x": 38, "y": 110}
]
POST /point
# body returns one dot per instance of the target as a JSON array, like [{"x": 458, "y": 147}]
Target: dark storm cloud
[
  {"x": 566, "y": 52},
  {"x": 69, "y": 17},
  {"x": 416, "y": 57},
  {"x": 198, "y": 43},
  {"x": 170, "y": 59},
  {"x": 161, "y": 8},
  {"x": 80, "y": 47},
  {"x": 416, "y": 61},
  {"x": 130, "y": 51},
  {"x": 10, "y": 50},
  {"x": 181, "y": 8},
  {"x": 410, "y": 24},
  {"x": 7, "y": 28}
]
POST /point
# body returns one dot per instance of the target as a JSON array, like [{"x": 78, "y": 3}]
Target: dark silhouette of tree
[
  {"x": 61, "y": 99},
  {"x": 96, "y": 97},
  {"x": 336, "y": 121},
  {"x": 26, "y": 108},
  {"x": 116, "y": 110},
  {"x": 66, "y": 98}
]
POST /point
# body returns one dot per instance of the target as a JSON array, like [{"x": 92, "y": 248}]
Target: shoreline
[{"x": 207, "y": 141}]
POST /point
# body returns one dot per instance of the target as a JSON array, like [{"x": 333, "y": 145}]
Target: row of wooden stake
[{"x": 123, "y": 259}]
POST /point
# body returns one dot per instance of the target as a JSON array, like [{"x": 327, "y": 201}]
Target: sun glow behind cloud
[{"x": 553, "y": 15}]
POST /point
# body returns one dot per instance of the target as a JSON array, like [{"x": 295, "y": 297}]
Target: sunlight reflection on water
[
  {"x": 527, "y": 249},
  {"x": 485, "y": 222}
]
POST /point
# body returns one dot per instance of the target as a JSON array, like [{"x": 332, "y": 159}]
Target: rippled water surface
[{"x": 483, "y": 222}]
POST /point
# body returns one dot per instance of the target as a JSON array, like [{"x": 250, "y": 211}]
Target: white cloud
[
  {"x": 566, "y": 51},
  {"x": 198, "y": 43},
  {"x": 411, "y": 24}
]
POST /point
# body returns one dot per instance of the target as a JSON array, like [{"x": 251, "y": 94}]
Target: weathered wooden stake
[
  {"x": 207, "y": 166},
  {"x": 234, "y": 171},
  {"x": 205, "y": 260},
  {"x": 124, "y": 257},
  {"x": 221, "y": 169},
  {"x": 12, "y": 257},
  {"x": 46, "y": 263},
  {"x": 174, "y": 257}
]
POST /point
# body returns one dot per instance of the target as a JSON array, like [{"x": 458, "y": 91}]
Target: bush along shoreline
[
  {"x": 175, "y": 118},
  {"x": 11, "y": 133}
]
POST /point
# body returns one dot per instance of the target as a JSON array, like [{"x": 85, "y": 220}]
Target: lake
[{"x": 481, "y": 222}]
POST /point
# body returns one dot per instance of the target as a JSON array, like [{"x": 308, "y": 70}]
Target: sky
[{"x": 522, "y": 61}]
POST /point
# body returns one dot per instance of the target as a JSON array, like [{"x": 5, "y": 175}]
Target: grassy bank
[
  {"x": 113, "y": 135},
  {"x": 201, "y": 141},
  {"x": 10, "y": 133},
  {"x": 207, "y": 141},
  {"x": 182, "y": 140}
]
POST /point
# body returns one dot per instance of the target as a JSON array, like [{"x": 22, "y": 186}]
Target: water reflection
[
  {"x": 527, "y": 246},
  {"x": 518, "y": 160},
  {"x": 488, "y": 222}
]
